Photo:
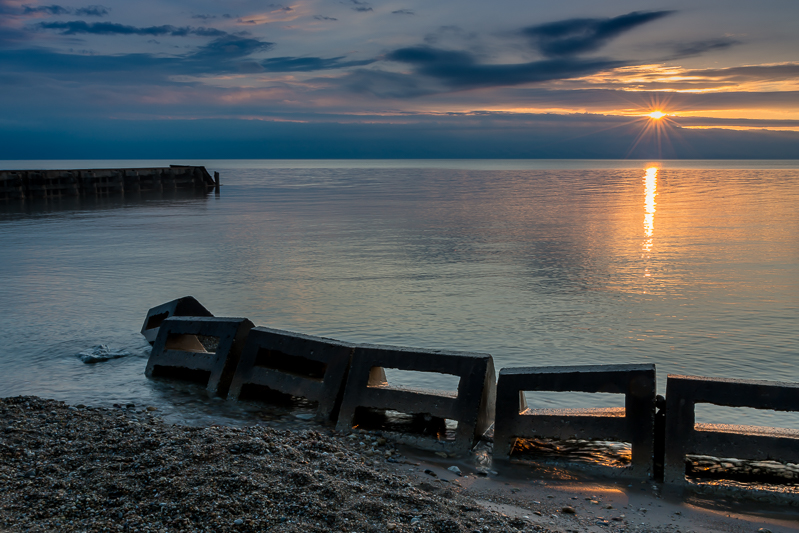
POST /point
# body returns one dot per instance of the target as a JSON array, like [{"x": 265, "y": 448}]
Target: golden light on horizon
[{"x": 656, "y": 115}]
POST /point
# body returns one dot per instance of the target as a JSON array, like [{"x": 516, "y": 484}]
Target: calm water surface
[{"x": 693, "y": 266}]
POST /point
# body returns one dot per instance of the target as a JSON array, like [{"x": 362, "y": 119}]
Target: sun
[{"x": 656, "y": 115}]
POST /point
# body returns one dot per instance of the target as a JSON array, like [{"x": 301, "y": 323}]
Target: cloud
[
  {"x": 109, "y": 28},
  {"x": 460, "y": 70},
  {"x": 577, "y": 36},
  {"x": 361, "y": 6},
  {"x": 50, "y": 10},
  {"x": 224, "y": 55},
  {"x": 700, "y": 47},
  {"x": 320, "y": 17},
  {"x": 88, "y": 11},
  {"x": 92, "y": 11},
  {"x": 785, "y": 71},
  {"x": 308, "y": 64},
  {"x": 403, "y": 12},
  {"x": 385, "y": 84}
]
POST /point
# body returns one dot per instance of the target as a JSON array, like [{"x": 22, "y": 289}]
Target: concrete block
[
  {"x": 179, "y": 352},
  {"x": 472, "y": 406},
  {"x": 186, "y": 306},
  {"x": 634, "y": 423},
  {"x": 685, "y": 436},
  {"x": 290, "y": 363}
]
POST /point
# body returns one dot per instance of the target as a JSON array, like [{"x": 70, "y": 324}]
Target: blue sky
[{"x": 356, "y": 78}]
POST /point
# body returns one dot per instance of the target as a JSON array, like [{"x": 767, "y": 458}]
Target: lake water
[{"x": 693, "y": 266}]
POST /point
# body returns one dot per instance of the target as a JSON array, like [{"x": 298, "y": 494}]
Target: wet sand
[{"x": 65, "y": 468}]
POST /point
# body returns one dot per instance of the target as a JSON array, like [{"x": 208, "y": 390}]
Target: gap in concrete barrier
[
  {"x": 295, "y": 365},
  {"x": 710, "y": 413},
  {"x": 603, "y": 453},
  {"x": 389, "y": 420},
  {"x": 572, "y": 399},
  {"x": 261, "y": 393},
  {"x": 400, "y": 379},
  {"x": 708, "y": 469},
  {"x": 182, "y": 374},
  {"x": 192, "y": 343}
]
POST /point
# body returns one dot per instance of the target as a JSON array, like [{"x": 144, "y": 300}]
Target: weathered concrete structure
[
  {"x": 291, "y": 363},
  {"x": 179, "y": 353},
  {"x": 186, "y": 306},
  {"x": 26, "y": 184},
  {"x": 634, "y": 423},
  {"x": 685, "y": 436},
  {"x": 472, "y": 406}
]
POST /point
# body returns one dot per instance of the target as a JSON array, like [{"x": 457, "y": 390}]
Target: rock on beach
[{"x": 123, "y": 469}]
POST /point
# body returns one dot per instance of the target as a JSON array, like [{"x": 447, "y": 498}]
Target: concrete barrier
[
  {"x": 472, "y": 406},
  {"x": 179, "y": 350},
  {"x": 24, "y": 184},
  {"x": 685, "y": 436},
  {"x": 186, "y": 306},
  {"x": 634, "y": 423},
  {"x": 290, "y": 363}
]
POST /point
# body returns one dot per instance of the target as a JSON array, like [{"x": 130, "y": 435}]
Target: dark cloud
[
  {"x": 280, "y": 7},
  {"x": 228, "y": 48},
  {"x": 228, "y": 54},
  {"x": 92, "y": 11},
  {"x": 50, "y": 10},
  {"x": 385, "y": 84},
  {"x": 320, "y": 17},
  {"x": 577, "y": 36},
  {"x": 361, "y": 6},
  {"x": 309, "y": 64},
  {"x": 203, "y": 17},
  {"x": 460, "y": 70},
  {"x": 403, "y": 12},
  {"x": 88, "y": 11},
  {"x": 700, "y": 47},
  {"x": 109, "y": 28}
]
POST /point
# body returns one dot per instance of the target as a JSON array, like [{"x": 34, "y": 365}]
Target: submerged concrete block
[
  {"x": 634, "y": 423},
  {"x": 685, "y": 436},
  {"x": 205, "y": 349},
  {"x": 472, "y": 406},
  {"x": 186, "y": 306},
  {"x": 291, "y": 363}
]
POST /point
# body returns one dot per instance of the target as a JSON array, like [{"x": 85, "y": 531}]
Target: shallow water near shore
[{"x": 693, "y": 267}]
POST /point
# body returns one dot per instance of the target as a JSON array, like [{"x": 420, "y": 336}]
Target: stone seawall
[{"x": 26, "y": 184}]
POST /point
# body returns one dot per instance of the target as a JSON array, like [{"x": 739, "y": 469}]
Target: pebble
[
  {"x": 568, "y": 510},
  {"x": 87, "y": 467},
  {"x": 455, "y": 469}
]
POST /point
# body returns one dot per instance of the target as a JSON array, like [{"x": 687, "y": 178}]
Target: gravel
[{"x": 66, "y": 468}]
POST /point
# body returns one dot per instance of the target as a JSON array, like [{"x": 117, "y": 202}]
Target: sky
[{"x": 399, "y": 79}]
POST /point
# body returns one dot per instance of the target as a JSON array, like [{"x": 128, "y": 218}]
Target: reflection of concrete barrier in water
[
  {"x": 179, "y": 351},
  {"x": 684, "y": 436},
  {"x": 289, "y": 363},
  {"x": 28, "y": 184},
  {"x": 471, "y": 406},
  {"x": 186, "y": 306},
  {"x": 634, "y": 423}
]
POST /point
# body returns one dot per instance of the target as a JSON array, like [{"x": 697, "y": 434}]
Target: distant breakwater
[{"x": 28, "y": 184}]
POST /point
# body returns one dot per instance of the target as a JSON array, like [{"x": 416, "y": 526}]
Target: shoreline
[{"x": 125, "y": 469}]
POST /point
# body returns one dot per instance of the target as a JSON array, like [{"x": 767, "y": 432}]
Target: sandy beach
[{"x": 73, "y": 468}]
